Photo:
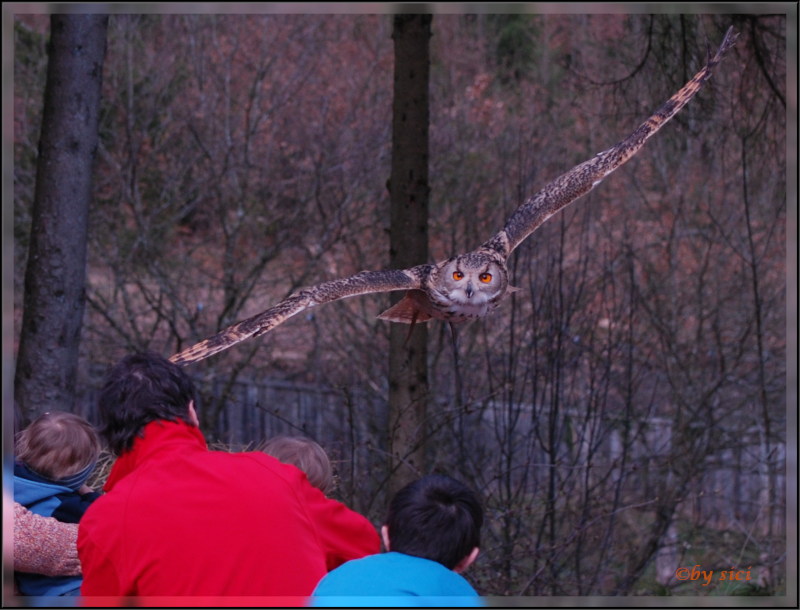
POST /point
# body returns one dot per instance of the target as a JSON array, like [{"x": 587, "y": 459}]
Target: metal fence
[{"x": 734, "y": 487}]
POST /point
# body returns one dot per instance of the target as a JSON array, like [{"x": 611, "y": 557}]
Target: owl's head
[{"x": 475, "y": 281}]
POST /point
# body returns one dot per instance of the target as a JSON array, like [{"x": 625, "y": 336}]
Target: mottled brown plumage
[{"x": 470, "y": 285}]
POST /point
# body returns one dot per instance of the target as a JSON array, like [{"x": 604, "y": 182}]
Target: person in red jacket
[{"x": 178, "y": 519}]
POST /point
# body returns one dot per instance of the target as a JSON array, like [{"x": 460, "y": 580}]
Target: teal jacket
[
  {"x": 394, "y": 579},
  {"x": 57, "y": 499}
]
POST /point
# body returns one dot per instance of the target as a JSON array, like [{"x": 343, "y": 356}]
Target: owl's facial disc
[{"x": 469, "y": 288}]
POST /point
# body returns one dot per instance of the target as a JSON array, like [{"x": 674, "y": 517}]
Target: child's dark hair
[
  {"x": 58, "y": 444},
  {"x": 142, "y": 388},
  {"x": 436, "y": 518}
]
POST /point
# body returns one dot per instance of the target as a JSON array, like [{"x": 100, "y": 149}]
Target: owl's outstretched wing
[
  {"x": 365, "y": 282},
  {"x": 583, "y": 178},
  {"x": 525, "y": 220}
]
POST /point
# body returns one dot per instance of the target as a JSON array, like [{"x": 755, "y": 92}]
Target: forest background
[{"x": 624, "y": 414}]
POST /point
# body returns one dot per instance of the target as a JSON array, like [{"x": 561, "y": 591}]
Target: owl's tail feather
[{"x": 405, "y": 311}]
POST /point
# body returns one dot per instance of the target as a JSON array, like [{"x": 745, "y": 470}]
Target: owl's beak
[{"x": 469, "y": 290}]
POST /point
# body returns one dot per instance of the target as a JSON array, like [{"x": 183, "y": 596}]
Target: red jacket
[{"x": 178, "y": 519}]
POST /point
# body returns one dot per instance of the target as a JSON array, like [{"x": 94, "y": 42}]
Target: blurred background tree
[
  {"x": 55, "y": 274},
  {"x": 409, "y": 192}
]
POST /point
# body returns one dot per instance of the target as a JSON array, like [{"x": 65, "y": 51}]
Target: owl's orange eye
[
  {"x": 457, "y": 275},
  {"x": 485, "y": 277}
]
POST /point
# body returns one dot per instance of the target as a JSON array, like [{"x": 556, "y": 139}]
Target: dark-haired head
[
  {"x": 436, "y": 518},
  {"x": 140, "y": 389}
]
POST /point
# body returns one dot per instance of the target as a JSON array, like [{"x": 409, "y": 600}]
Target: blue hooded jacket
[{"x": 58, "y": 499}]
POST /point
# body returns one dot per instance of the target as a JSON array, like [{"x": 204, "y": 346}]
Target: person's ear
[
  {"x": 385, "y": 536},
  {"x": 193, "y": 414},
  {"x": 467, "y": 561}
]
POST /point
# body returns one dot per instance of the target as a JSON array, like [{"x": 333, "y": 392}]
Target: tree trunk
[
  {"x": 55, "y": 277},
  {"x": 409, "y": 190}
]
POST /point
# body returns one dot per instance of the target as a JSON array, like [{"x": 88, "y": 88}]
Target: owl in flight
[{"x": 468, "y": 286}]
